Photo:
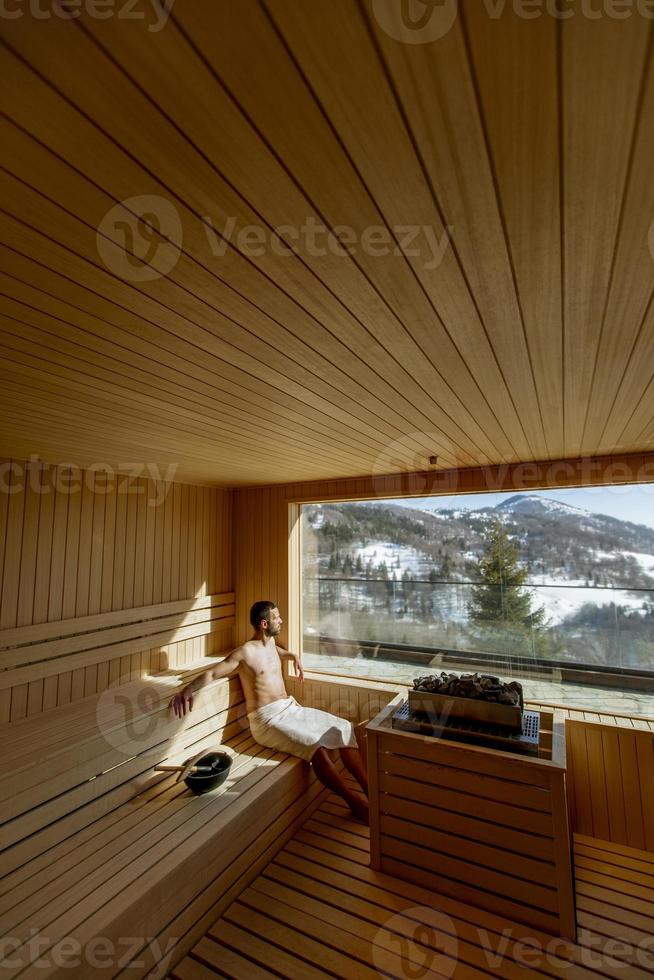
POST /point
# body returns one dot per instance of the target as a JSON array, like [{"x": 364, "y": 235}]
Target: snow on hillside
[
  {"x": 398, "y": 558},
  {"x": 561, "y": 601},
  {"x": 646, "y": 562},
  {"x": 531, "y": 504}
]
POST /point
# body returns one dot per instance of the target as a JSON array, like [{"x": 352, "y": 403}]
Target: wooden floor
[{"x": 318, "y": 910}]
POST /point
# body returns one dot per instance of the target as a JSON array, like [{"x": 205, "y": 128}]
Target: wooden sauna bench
[
  {"x": 95, "y": 843},
  {"x": 481, "y": 825}
]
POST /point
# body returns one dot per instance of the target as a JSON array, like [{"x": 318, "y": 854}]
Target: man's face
[{"x": 273, "y": 624}]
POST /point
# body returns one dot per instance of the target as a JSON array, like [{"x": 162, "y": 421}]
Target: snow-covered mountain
[
  {"x": 522, "y": 503},
  {"x": 591, "y": 574},
  {"x": 558, "y": 543}
]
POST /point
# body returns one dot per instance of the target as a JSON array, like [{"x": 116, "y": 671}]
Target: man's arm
[
  {"x": 226, "y": 667},
  {"x": 287, "y": 655}
]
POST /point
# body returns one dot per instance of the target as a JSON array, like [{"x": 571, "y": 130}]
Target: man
[{"x": 277, "y": 720}]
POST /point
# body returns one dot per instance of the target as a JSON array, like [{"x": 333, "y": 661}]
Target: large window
[{"x": 555, "y": 587}]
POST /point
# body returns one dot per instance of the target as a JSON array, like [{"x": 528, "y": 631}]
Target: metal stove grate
[{"x": 476, "y": 733}]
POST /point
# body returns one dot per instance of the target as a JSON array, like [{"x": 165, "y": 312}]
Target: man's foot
[{"x": 360, "y": 810}]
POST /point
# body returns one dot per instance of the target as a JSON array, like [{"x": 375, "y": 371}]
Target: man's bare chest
[{"x": 264, "y": 665}]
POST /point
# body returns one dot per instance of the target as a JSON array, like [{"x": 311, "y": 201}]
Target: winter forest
[{"x": 531, "y": 578}]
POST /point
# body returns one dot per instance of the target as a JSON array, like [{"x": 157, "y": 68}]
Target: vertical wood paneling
[
  {"x": 260, "y": 547},
  {"x": 44, "y": 548},
  {"x": 130, "y": 538},
  {"x": 97, "y": 539},
  {"x": 611, "y": 769},
  {"x": 50, "y": 692},
  {"x": 85, "y": 544},
  {"x": 167, "y": 548},
  {"x": 614, "y": 794},
  {"x": 139, "y": 552},
  {"x": 119, "y": 544},
  {"x": 630, "y": 786},
  {"x": 29, "y": 544},
  {"x": 190, "y": 543},
  {"x": 72, "y": 546},
  {"x": 64, "y": 687},
  {"x": 645, "y": 751},
  {"x": 206, "y": 531},
  {"x": 182, "y": 564},
  {"x": 148, "y": 559},
  {"x": 76, "y": 543},
  {"x": 110, "y": 509},
  {"x": 18, "y": 702},
  {"x": 15, "y": 508},
  {"x": 212, "y": 532},
  {"x": 175, "y": 541},
  {"x": 5, "y": 484},
  {"x": 198, "y": 585},
  {"x": 158, "y": 546}
]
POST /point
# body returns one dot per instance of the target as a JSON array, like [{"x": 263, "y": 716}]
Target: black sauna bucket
[{"x": 204, "y": 773}]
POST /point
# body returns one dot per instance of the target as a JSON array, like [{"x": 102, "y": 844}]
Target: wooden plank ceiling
[{"x": 523, "y": 145}]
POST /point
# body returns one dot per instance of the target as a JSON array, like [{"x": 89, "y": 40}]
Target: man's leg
[
  {"x": 353, "y": 762},
  {"x": 330, "y": 777}
]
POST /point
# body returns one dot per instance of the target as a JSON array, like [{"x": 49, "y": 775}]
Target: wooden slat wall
[
  {"x": 76, "y": 543},
  {"x": 611, "y": 774}
]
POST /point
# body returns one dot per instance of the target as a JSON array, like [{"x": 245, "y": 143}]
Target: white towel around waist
[{"x": 286, "y": 726}]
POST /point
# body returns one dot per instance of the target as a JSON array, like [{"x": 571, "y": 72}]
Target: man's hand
[
  {"x": 179, "y": 701},
  {"x": 298, "y": 667}
]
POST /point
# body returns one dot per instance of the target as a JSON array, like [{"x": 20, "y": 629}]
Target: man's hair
[{"x": 260, "y": 611}]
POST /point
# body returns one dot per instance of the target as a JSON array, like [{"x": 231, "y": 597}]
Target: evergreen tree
[
  {"x": 500, "y": 595},
  {"x": 446, "y": 567}
]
